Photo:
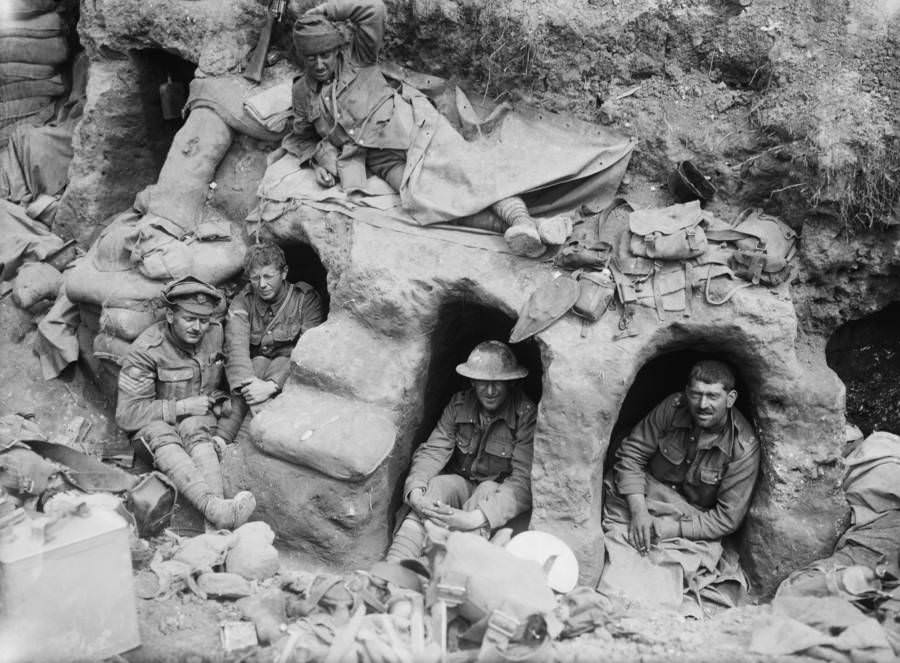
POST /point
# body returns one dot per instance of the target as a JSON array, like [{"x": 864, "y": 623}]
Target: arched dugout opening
[
  {"x": 666, "y": 374},
  {"x": 304, "y": 264},
  {"x": 865, "y": 354},
  {"x": 461, "y": 325},
  {"x": 163, "y": 80}
]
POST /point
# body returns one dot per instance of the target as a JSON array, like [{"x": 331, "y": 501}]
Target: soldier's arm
[
  {"x": 638, "y": 448},
  {"x": 303, "y": 138},
  {"x": 733, "y": 498},
  {"x": 137, "y": 405},
  {"x": 514, "y": 495},
  {"x": 432, "y": 455},
  {"x": 367, "y": 18},
  {"x": 238, "y": 366}
]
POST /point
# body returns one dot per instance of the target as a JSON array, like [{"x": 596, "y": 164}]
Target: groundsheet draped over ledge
[{"x": 554, "y": 163}]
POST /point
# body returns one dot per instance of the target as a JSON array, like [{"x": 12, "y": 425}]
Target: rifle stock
[{"x": 254, "y": 69}]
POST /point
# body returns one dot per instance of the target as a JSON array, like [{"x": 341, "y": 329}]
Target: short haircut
[
  {"x": 711, "y": 371},
  {"x": 262, "y": 254}
]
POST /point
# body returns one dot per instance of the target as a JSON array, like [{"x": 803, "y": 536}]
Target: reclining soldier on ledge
[
  {"x": 348, "y": 118},
  {"x": 474, "y": 470},
  {"x": 170, "y": 397},
  {"x": 682, "y": 481}
]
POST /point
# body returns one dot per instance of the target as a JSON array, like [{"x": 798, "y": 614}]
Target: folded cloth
[{"x": 272, "y": 107}]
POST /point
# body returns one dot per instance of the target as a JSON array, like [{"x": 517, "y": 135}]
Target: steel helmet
[{"x": 492, "y": 360}]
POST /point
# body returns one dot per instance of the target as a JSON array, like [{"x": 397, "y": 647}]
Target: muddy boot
[
  {"x": 207, "y": 461},
  {"x": 555, "y": 230},
  {"x": 223, "y": 514},
  {"x": 408, "y": 541},
  {"x": 522, "y": 235}
]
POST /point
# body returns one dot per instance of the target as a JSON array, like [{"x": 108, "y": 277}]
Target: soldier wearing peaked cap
[
  {"x": 474, "y": 470},
  {"x": 169, "y": 387}
]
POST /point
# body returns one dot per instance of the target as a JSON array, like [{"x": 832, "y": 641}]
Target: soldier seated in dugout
[
  {"x": 170, "y": 398},
  {"x": 265, "y": 321},
  {"x": 473, "y": 473},
  {"x": 686, "y": 471}
]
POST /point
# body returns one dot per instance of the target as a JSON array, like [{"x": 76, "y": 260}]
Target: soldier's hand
[
  {"x": 666, "y": 528},
  {"x": 454, "y": 519},
  {"x": 417, "y": 499},
  {"x": 194, "y": 406},
  {"x": 258, "y": 391},
  {"x": 323, "y": 177},
  {"x": 640, "y": 531}
]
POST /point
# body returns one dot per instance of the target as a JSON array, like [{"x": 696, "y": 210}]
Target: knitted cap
[{"x": 315, "y": 34}]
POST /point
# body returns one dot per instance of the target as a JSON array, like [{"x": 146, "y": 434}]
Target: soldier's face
[
  {"x": 321, "y": 66},
  {"x": 187, "y": 327},
  {"x": 267, "y": 281},
  {"x": 708, "y": 403},
  {"x": 491, "y": 394}
]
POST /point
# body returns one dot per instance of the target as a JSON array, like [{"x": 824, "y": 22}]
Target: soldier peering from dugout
[
  {"x": 683, "y": 480},
  {"x": 265, "y": 320},
  {"x": 348, "y": 118},
  {"x": 474, "y": 470},
  {"x": 170, "y": 399}
]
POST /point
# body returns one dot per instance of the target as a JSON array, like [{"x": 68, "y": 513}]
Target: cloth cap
[
  {"x": 492, "y": 360},
  {"x": 192, "y": 295},
  {"x": 316, "y": 34}
]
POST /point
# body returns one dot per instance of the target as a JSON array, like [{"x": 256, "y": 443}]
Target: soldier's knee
[
  {"x": 157, "y": 435},
  {"x": 196, "y": 430},
  {"x": 448, "y": 488}
]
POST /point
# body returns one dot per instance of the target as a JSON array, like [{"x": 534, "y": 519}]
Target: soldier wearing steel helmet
[
  {"x": 170, "y": 395},
  {"x": 474, "y": 470}
]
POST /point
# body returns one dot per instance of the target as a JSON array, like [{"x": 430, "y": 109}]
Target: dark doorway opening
[
  {"x": 659, "y": 377},
  {"x": 461, "y": 325},
  {"x": 163, "y": 80},
  {"x": 304, "y": 264},
  {"x": 865, "y": 354}
]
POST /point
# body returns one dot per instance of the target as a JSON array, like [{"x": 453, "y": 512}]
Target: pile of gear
[
  {"x": 36, "y": 472},
  {"x": 657, "y": 257},
  {"x": 846, "y": 607},
  {"x": 480, "y": 600}
]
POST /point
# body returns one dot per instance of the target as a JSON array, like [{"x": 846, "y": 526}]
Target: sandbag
[
  {"x": 110, "y": 348},
  {"x": 35, "y": 118},
  {"x": 494, "y": 579},
  {"x": 13, "y": 72},
  {"x": 341, "y": 438},
  {"x": 37, "y": 50},
  {"x": 86, "y": 284},
  {"x": 49, "y": 87},
  {"x": 157, "y": 254},
  {"x": 25, "y": 8},
  {"x": 181, "y": 189},
  {"x": 35, "y": 281},
  {"x": 44, "y": 25},
  {"x": 17, "y": 109},
  {"x": 223, "y": 585},
  {"x": 253, "y": 556},
  {"x": 128, "y": 321}
]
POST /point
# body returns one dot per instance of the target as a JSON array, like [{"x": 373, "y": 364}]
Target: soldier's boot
[
  {"x": 408, "y": 541},
  {"x": 207, "y": 461},
  {"x": 554, "y": 230},
  {"x": 522, "y": 235},
  {"x": 222, "y": 513}
]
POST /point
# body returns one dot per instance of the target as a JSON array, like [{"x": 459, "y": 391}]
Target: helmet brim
[{"x": 474, "y": 374}]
